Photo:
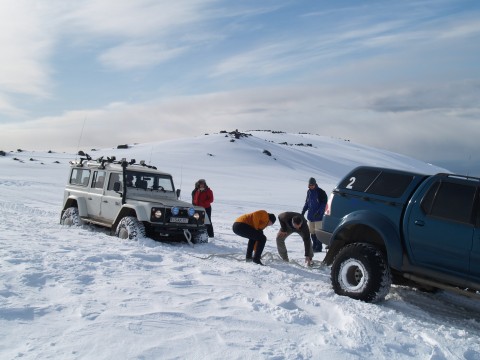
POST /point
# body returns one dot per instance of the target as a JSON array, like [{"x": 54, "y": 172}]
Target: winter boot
[
  {"x": 258, "y": 251},
  {"x": 210, "y": 231},
  {"x": 258, "y": 262}
]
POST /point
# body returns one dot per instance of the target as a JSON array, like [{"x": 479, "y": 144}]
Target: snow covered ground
[{"x": 78, "y": 293}]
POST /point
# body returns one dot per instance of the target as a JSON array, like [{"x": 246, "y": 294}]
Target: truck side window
[
  {"x": 427, "y": 201},
  {"x": 390, "y": 184},
  {"x": 453, "y": 201}
]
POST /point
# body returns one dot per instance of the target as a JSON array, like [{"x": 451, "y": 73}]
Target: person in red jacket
[
  {"x": 203, "y": 196},
  {"x": 251, "y": 226}
]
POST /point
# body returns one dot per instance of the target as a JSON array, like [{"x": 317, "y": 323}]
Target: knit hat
[
  {"x": 272, "y": 218},
  {"x": 312, "y": 181}
]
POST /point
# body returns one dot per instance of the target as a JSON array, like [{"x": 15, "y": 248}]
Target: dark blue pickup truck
[{"x": 387, "y": 226}]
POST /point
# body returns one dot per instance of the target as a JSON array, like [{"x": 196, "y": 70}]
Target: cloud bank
[{"x": 400, "y": 76}]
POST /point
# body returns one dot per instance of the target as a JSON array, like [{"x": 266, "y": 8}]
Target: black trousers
[
  {"x": 254, "y": 236},
  {"x": 209, "y": 227}
]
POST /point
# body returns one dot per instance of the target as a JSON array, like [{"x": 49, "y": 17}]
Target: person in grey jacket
[{"x": 293, "y": 222}]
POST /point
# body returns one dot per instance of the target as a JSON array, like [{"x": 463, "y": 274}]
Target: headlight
[
  {"x": 191, "y": 211},
  {"x": 158, "y": 214},
  {"x": 175, "y": 211},
  {"x": 196, "y": 216}
]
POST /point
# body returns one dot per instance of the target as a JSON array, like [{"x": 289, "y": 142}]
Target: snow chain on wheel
[
  {"x": 361, "y": 272},
  {"x": 71, "y": 217},
  {"x": 200, "y": 237},
  {"x": 130, "y": 228}
]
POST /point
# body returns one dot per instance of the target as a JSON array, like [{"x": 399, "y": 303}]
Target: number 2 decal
[{"x": 350, "y": 184}]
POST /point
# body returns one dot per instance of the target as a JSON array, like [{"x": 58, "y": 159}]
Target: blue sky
[{"x": 398, "y": 75}]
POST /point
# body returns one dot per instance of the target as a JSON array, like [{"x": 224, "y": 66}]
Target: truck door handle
[
  {"x": 105, "y": 201},
  {"x": 419, "y": 223},
  {"x": 89, "y": 198}
]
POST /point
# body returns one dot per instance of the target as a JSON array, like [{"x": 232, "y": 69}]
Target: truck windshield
[{"x": 143, "y": 180}]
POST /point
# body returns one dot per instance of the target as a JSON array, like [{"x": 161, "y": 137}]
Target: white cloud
[
  {"x": 29, "y": 32},
  {"x": 6, "y": 106},
  {"x": 366, "y": 65},
  {"x": 423, "y": 132},
  {"x": 25, "y": 43},
  {"x": 263, "y": 61},
  {"x": 142, "y": 33},
  {"x": 130, "y": 55},
  {"x": 461, "y": 28},
  {"x": 132, "y": 20}
]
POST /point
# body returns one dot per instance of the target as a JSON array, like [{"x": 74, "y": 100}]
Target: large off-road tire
[
  {"x": 200, "y": 237},
  {"x": 361, "y": 272},
  {"x": 130, "y": 228},
  {"x": 71, "y": 217}
]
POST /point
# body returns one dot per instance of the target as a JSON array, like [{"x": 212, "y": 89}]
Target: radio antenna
[
  {"x": 468, "y": 164},
  {"x": 81, "y": 134},
  {"x": 181, "y": 176},
  {"x": 150, "y": 160}
]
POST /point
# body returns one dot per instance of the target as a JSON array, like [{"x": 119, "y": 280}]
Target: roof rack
[
  {"x": 456, "y": 176},
  {"x": 109, "y": 160}
]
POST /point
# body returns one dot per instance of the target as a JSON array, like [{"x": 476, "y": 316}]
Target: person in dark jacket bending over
[
  {"x": 203, "y": 197},
  {"x": 315, "y": 204},
  {"x": 251, "y": 226},
  {"x": 292, "y": 222}
]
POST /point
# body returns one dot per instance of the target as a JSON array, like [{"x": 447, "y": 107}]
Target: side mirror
[
  {"x": 116, "y": 186},
  {"x": 178, "y": 193}
]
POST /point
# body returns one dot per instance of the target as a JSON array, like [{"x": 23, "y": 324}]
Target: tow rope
[
  {"x": 188, "y": 236},
  {"x": 266, "y": 256}
]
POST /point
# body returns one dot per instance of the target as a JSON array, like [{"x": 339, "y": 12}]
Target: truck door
[
  {"x": 440, "y": 226},
  {"x": 111, "y": 200},
  {"x": 95, "y": 194}
]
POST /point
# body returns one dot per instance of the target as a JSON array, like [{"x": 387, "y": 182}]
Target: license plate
[{"x": 179, "y": 220}]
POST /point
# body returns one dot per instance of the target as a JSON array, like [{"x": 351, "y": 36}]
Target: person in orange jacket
[{"x": 251, "y": 226}]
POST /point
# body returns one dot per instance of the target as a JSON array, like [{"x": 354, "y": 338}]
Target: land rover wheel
[
  {"x": 71, "y": 217},
  {"x": 200, "y": 237},
  {"x": 360, "y": 271},
  {"x": 130, "y": 228}
]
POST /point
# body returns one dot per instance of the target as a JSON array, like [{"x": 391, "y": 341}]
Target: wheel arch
[
  {"x": 125, "y": 211},
  {"x": 371, "y": 228},
  {"x": 78, "y": 202}
]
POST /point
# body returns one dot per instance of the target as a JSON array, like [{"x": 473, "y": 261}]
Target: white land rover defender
[{"x": 132, "y": 200}]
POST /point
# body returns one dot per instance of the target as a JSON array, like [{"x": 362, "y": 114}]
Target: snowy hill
[
  {"x": 78, "y": 293},
  {"x": 227, "y": 162}
]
